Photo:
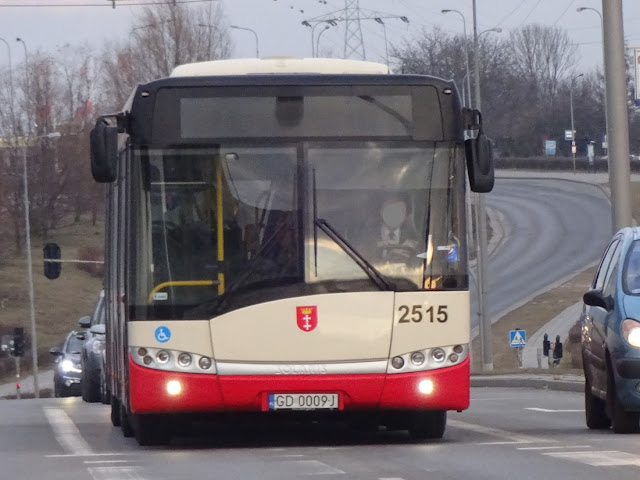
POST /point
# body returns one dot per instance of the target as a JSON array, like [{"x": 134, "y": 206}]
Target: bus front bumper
[{"x": 156, "y": 391}]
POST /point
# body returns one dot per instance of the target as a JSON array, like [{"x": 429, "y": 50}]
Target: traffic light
[
  {"x": 17, "y": 349},
  {"x": 52, "y": 269}
]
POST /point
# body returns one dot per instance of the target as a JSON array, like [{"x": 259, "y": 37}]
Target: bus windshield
[{"x": 227, "y": 226}]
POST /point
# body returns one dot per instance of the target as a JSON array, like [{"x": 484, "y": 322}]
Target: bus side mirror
[
  {"x": 104, "y": 152},
  {"x": 479, "y": 153}
]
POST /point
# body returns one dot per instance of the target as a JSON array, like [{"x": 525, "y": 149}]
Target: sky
[{"x": 278, "y": 23}]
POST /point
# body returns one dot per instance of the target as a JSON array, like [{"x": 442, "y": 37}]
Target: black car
[
  {"x": 93, "y": 382},
  {"x": 68, "y": 371}
]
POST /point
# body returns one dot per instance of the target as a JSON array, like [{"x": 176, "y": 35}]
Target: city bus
[{"x": 286, "y": 238}]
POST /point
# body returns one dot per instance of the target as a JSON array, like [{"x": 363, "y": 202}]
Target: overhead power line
[{"x": 107, "y": 3}]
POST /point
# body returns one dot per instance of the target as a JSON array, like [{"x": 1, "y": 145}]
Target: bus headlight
[
  {"x": 173, "y": 360},
  {"x": 184, "y": 359},
  {"x": 204, "y": 363},
  {"x": 438, "y": 355},
  {"x": 174, "y": 387},
  {"x": 417, "y": 358},
  {"x": 162, "y": 357},
  {"x": 426, "y": 387},
  {"x": 397, "y": 362}
]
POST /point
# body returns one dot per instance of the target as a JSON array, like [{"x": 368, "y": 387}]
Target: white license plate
[{"x": 303, "y": 401}]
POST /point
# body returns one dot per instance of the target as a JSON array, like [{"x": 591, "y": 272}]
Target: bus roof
[{"x": 285, "y": 65}]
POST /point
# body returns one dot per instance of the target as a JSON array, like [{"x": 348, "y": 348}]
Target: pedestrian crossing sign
[{"x": 517, "y": 338}]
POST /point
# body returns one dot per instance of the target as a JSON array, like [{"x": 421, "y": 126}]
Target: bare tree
[
  {"x": 162, "y": 37},
  {"x": 543, "y": 55},
  {"x": 433, "y": 53}
]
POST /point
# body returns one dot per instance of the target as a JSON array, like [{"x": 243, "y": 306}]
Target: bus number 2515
[{"x": 418, "y": 313}]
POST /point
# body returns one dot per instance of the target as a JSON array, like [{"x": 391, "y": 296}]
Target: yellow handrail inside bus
[
  {"x": 220, "y": 226},
  {"x": 180, "y": 283}
]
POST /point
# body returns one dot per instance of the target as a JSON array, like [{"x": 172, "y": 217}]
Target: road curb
[{"x": 524, "y": 382}]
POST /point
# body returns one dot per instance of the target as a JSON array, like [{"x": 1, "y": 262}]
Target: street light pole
[
  {"x": 606, "y": 109},
  {"x": 618, "y": 126},
  {"x": 27, "y": 233},
  {"x": 573, "y": 129},
  {"x": 486, "y": 342},
  {"x": 32, "y": 310},
  {"x": 386, "y": 43},
  {"x": 13, "y": 120},
  {"x": 466, "y": 52},
  {"x": 318, "y": 39},
  {"x": 26, "y": 77},
  {"x": 254, "y": 34}
]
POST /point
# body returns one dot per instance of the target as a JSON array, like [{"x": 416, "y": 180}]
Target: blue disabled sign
[
  {"x": 162, "y": 334},
  {"x": 517, "y": 338}
]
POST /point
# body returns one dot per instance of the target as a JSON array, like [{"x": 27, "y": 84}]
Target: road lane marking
[
  {"x": 497, "y": 432},
  {"x": 496, "y": 443},
  {"x": 89, "y": 462},
  {"x": 312, "y": 467},
  {"x": 115, "y": 473},
  {"x": 66, "y": 432},
  {"x": 554, "y": 447},
  {"x": 550, "y": 410},
  {"x": 112, "y": 454},
  {"x": 609, "y": 458}
]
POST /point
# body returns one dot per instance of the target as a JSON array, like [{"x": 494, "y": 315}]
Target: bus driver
[{"x": 397, "y": 238}]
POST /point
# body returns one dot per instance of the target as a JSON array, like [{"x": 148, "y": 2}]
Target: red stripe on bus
[{"x": 249, "y": 393}]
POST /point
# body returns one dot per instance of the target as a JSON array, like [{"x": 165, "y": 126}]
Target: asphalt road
[
  {"x": 506, "y": 434},
  {"x": 555, "y": 229}
]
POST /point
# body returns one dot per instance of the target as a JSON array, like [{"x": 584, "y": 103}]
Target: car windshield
[
  {"x": 631, "y": 275},
  {"x": 74, "y": 344}
]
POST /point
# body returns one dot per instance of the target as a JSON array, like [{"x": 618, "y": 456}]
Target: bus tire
[
  {"x": 150, "y": 431},
  {"x": 115, "y": 411},
  {"x": 428, "y": 425},
  {"x": 125, "y": 422}
]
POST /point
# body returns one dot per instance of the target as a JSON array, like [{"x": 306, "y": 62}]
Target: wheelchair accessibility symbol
[{"x": 163, "y": 334}]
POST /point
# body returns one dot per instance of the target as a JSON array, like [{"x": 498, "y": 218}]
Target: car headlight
[
  {"x": 631, "y": 332},
  {"x": 68, "y": 366},
  {"x": 98, "y": 347}
]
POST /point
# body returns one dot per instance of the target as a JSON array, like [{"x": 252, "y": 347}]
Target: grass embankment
[
  {"x": 535, "y": 314},
  {"x": 58, "y": 303}
]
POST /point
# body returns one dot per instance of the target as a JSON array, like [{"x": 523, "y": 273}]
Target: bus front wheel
[
  {"x": 428, "y": 425},
  {"x": 149, "y": 430},
  {"x": 125, "y": 421},
  {"x": 115, "y": 411}
]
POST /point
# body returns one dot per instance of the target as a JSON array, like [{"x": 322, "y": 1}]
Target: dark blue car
[
  {"x": 611, "y": 337},
  {"x": 68, "y": 370}
]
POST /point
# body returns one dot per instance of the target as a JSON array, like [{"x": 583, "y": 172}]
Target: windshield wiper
[{"x": 376, "y": 277}]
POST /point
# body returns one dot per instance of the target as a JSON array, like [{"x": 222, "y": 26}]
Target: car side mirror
[
  {"x": 98, "y": 329},
  {"x": 595, "y": 298},
  {"x": 55, "y": 351},
  {"x": 85, "y": 322}
]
